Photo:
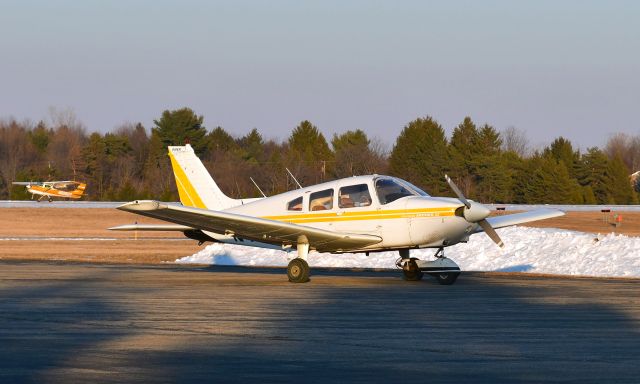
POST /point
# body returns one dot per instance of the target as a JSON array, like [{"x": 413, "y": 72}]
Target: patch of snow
[{"x": 535, "y": 250}]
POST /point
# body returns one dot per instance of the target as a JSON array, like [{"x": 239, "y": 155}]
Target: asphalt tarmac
[{"x": 68, "y": 323}]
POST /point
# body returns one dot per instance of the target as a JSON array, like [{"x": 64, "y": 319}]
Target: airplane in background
[
  {"x": 360, "y": 214},
  {"x": 50, "y": 189}
]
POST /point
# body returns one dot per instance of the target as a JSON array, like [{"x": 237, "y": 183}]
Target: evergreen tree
[
  {"x": 94, "y": 153},
  {"x": 621, "y": 189},
  {"x": 420, "y": 155},
  {"x": 181, "y": 126},
  {"x": 587, "y": 195},
  {"x": 40, "y": 137},
  {"x": 489, "y": 141},
  {"x": 548, "y": 181},
  {"x": 308, "y": 141},
  {"x": 309, "y": 153},
  {"x": 354, "y": 155},
  {"x": 220, "y": 140},
  {"x": 492, "y": 176},
  {"x": 562, "y": 150},
  {"x": 593, "y": 170},
  {"x": 465, "y": 153},
  {"x": 252, "y": 146}
]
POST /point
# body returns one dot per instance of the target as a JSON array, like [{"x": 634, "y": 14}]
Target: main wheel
[
  {"x": 447, "y": 278},
  {"x": 411, "y": 272},
  {"x": 298, "y": 271}
]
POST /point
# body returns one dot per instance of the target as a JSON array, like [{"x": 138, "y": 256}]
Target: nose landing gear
[
  {"x": 443, "y": 269},
  {"x": 409, "y": 266}
]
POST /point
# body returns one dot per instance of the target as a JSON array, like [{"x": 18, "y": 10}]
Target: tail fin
[
  {"x": 195, "y": 185},
  {"x": 79, "y": 191}
]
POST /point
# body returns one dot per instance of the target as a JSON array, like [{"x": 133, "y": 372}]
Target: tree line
[{"x": 490, "y": 166}]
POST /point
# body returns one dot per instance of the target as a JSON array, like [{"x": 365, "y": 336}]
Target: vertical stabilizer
[
  {"x": 79, "y": 191},
  {"x": 195, "y": 185}
]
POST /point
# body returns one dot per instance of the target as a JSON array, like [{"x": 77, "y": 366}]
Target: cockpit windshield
[{"x": 392, "y": 189}]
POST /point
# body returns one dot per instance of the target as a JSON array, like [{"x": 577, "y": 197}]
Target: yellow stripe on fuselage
[
  {"x": 188, "y": 194},
  {"x": 364, "y": 215}
]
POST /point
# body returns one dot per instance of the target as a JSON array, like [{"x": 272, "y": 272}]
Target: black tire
[
  {"x": 447, "y": 278},
  {"x": 411, "y": 272},
  {"x": 298, "y": 271}
]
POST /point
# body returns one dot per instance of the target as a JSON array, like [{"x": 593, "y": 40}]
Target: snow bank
[{"x": 536, "y": 250}]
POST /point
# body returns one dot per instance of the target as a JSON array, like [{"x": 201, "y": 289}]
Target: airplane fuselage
[
  {"x": 412, "y": 221},
  {"x": 51, "y": 192}
]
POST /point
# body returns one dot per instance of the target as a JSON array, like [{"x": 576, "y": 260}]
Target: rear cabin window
[
  {"x": 295, "y": 204},
  {"x": 321, "y": 200},
  {"x": 354, "y": 196}
]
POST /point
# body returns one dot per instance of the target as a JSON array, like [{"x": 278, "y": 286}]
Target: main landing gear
[
  {"x": 443, "y": 269},
  {"x": 298, "y": 268}
]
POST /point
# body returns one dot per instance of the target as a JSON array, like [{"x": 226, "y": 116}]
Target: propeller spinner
[{"x": 475, "y": 213}]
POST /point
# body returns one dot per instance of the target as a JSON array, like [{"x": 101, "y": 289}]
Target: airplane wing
[
  {"x": 520, "y": 218},
  {"x": 25, "y": 183},
  {"x": 249, "y": 227}
]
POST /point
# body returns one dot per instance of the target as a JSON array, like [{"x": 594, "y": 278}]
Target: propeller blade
[
  {"x": 457, "y": 192},
  {"x": 491, "y": 232}
]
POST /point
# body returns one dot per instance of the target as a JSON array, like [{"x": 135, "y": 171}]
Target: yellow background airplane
[
  {"x": 50, "y": 189},
  {"x": 364, "y": 214}
]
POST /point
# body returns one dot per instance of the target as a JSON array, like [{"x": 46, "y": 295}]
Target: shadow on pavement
[{"x": 262, "y": 329}]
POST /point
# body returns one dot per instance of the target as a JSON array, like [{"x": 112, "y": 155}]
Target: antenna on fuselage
[
  {"x": 256, "y": 184},
  {"x": 294, "y": 178}
]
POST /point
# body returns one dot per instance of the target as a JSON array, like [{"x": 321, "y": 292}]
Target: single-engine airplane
[
  {"x": 50, "y": 189},
  {"x": 360, "y": 214}
]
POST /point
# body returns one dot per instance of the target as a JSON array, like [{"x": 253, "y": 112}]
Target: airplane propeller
[{"x": 475, "y": 213}]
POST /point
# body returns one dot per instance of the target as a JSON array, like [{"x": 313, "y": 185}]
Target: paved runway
[{"x": 113, "y": 323}]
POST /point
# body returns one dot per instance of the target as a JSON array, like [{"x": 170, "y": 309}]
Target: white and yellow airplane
[
  {"x": 362, "y": 214},
  {"x": 60, "y": 189}
]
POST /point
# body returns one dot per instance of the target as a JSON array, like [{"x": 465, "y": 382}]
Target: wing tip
[{"x": 140, "y": 205}]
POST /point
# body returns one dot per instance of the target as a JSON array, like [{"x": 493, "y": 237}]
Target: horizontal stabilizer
[{"x": 151, "y": 227}]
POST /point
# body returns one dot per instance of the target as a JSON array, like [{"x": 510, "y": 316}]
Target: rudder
[{"x": 195, "y": 185}]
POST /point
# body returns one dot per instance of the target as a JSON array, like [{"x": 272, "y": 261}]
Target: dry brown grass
[
  {"x": 149, "y": 248},
  {"x": 593, "y": 222},
  {"x": 157, "y": 247}
]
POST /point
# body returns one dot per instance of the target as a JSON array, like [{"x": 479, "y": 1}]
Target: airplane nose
[{"x": 476, "y": 212}]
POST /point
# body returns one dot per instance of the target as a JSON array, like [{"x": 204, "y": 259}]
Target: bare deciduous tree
[
  {"x": 515, "y": 140},
  {"x": 627, "y": 147}
]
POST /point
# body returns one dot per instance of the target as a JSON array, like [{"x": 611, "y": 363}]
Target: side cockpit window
[
  {"x": 389, "y": 190},
  {"x": 354, "y": 196},
  {"x": 295, "y": 204},
  {"x": 321, "y": 200}
]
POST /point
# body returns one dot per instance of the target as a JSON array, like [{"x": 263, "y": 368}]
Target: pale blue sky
[{"x": 550, "y": 68}]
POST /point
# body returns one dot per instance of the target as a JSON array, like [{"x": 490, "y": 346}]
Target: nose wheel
[{"x": 411, "y": 271}]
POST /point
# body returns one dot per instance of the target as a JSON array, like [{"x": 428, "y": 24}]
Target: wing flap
[
  {"x": 151, "y": 227},
  {"x": 249, "y": 227}
]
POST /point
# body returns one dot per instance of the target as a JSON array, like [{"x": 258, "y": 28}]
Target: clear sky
[{"x": 550, "y": 68}]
